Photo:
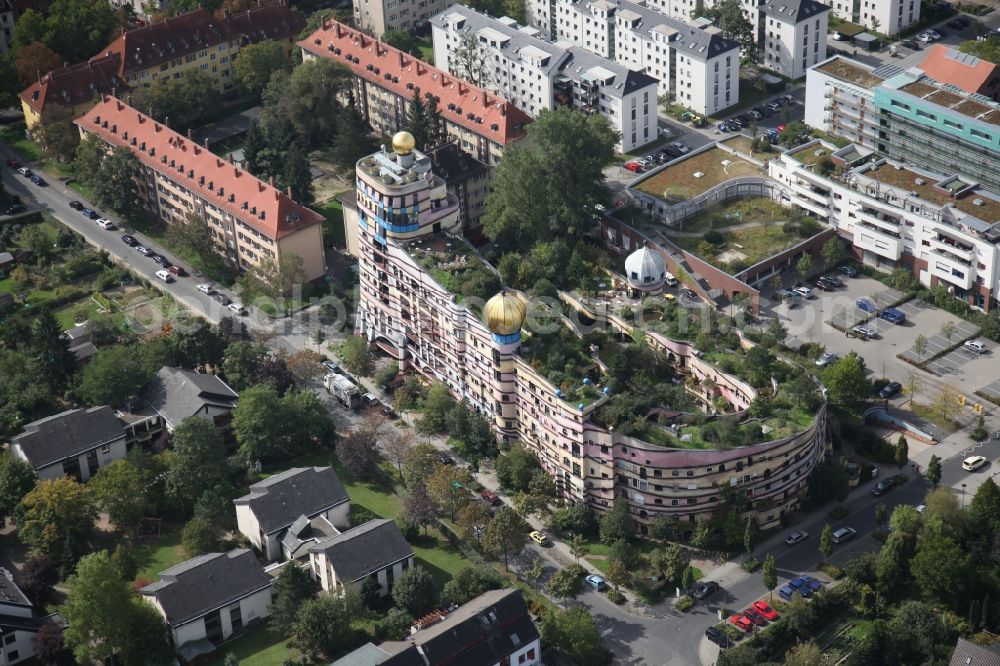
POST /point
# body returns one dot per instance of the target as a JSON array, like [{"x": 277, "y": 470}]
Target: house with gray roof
[
  {"x": 78, "y": 338},
  {"x": 794, "y": 35},
  {"x": 177, "y": 394},
  {"x": 537, "y": 75},
  {"x": 210, "y": 599},
  {"x": 74, "y": 443},
  {"x": 19, "y": 623},
  {"x": 286, "y": 513},
  {"x": 374, "y": 549},
  {"x": 968, "y": 653}
]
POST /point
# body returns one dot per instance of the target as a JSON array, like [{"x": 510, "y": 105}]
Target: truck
[{"x": 343, "y": 389}]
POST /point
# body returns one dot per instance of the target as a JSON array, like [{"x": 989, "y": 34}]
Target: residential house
[
  {"x": 210, "y": 599},
  {"x": 278, "y": 509},
  {"x": 890, "y": 17},
  {"x": 194, "y": 40},
  {"x": 177, "y": 394},
  {"x": 792, "y": 35},
  {"x": 494, "y": 629},
  {"x": 971, "y": 74},
  {"x": 18, "y": 623},
  {"x": 374, "y": 549},
  {"x": 376, "y": 17},
  {"x": 253, "y": 223},
  {"x": 466, "y": 178},
  {"x": 7, "y": 263},
  {"x": 538, "y": 75},
  {"x": 74, "y": 443},
  {"x": 386, "y": 80},
  {"x": 968, "y": 653},
  {"x": 78, "y": 338}
]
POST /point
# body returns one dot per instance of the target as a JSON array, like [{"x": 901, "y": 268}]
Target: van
[
  {"x": 670, "y": 280},
  {"x": 165, "y": 276}
]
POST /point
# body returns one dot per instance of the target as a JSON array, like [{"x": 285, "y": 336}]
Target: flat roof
[
  {"x": 679, "y": 180},
  {"x": 906, "y": 179},
  {"x": 849, "y": 72}
]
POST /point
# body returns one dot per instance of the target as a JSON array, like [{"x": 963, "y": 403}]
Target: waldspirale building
[{"x": 404, "y": 233}]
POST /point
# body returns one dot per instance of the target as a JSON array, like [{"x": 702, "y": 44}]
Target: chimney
[
  {"x": 189, "y": 132},
  {"x": 156, "y": 127},
  {"x": 400, "y": 59},
  {"x": 289, "y": 191},
  {"x": 271, "y": 181}
]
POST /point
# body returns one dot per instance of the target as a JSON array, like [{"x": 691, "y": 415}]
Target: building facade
[
  {"x": 424, "y": 327},
  {"x": 19, "y": 623},
  {"x": 890, "y": 17},
  {"x": 377, "y": 17},
  {"x": 537, "y": 75},
  {"x": 792, "y": 35},
  {"x": 375, "y": 549},
  {"x": 254, "y": 225}
]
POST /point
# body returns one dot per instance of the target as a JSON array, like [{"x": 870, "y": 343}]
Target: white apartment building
[
  {"x": 377, "y": 17},
  {"x": 535, "y": 74},
  {"x": 792, "y": 35},
  {"x": 886, "y": 16},
  {"x": 943, "y": 227},
  {"x": 840, "y": 99},
  {"x": 701, "y": 67}
]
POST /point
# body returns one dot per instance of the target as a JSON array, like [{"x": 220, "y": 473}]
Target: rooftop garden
[
  {"x": 906, "y": 180},
  {"x": 851, "y": 73},
  {"x": 456, "y": 267},
  {"x": 696, "y": 174}
]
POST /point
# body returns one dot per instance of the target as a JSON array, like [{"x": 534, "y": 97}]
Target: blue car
[
  {"x": 722, "y": 127},
  {"x": 866, "y": 305},
  {"x": 786, "y": 592},
  {"x": 893, "y": 315},
  {"x": 809, "y": 583},
  {"x": 800, "y": 586}
]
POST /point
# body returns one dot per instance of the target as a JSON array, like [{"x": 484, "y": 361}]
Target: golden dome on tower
[
  {"x": 504, "y": 313},
  {"x": 403, "y": 143}
]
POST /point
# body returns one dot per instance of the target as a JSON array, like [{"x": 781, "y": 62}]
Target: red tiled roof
[
  {"x": 947, "y": 65},
  {"x": 156, "y": 43},
  {"x": 390, "y": 68},
  {"x": 262, "y": 206},
  {"x": 75, "y": 84}
]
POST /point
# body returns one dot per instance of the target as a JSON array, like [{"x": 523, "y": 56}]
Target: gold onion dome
[
  {"x": 504, "y": 313},
  {"x": 403, "y": 143}
]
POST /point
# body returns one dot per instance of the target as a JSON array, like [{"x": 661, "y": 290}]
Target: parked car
[
  {"x": 812, "y": 583},
  {"x": 490, "y": 497},
  {"x": 764, "y": 609},
  {"x": 972, "y": 463},
  {"x": 129, "y": 240},
  {"x": 14, "y": 164},
  {"x": 89, "y": 214},
  {"x": 825, "y": 286},
  {"x": 718, "y": 636},
  {"x": 106, "y": 224},
  {"x": 925, "y": 37},
  {"x": 388, "y": 412},
  {"x": 596, "y": 582},
  {"x": 446, "y": 459},
  {"x": 177, "y": 270},
  {"x": 884, "y": 486},
  {"x": 805, "y": 292},
  {"x": 161, "y": 260},
  {"x": 774, "y": 106},
  {"x": 25, "y": 171},
  {"x": 37, "y": 180},
  {"x": 825, "y": 359},
  {"x": 684, "y": 150},
  {"x": 222, "y": 298},
  {"x": 634, "y": 167},
  {"x": 646, "y": 161},
  {"x": 369, "y": 400},
  {"x": 785, "y": 592},
  {"x": 741, "y": 621},
  {"x": 893, "y": 315},
  {"x": 144, "y": 251},
  {"x": 328, "y": 364},
  {"x": 865, "y": 331},
  {"x": 205, "y": 288},
  {"x": 238, "y": 309},
  {"x": 866, "y": 305},
  {"x": 755, "y": 115},
  {"x": 704, "y": 589},
  {"x": 756, "y": 618},
  {"x": 847, "y": 270},
  {"x": 975, "y": 346},
  {"x": 890, "y": 390},
  {"x": 796, "y": 537},
  {"x": 801, "y": 587},
  {"x": 843, "y": 534},
  {"x": 15, "y": 209},
  {"x": 910, "y": 44},
  {"x": 76, "y": 205},
  {"x": 539, "y": 538},
  {"x": 723, "y": 126}
]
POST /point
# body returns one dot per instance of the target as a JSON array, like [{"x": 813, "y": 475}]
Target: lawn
[
  {"x": 84, "y": 190},
  {"x": 86, "y": 307},
  {"x": 261, "y": 646},
  {"x": 333, "y": 225},
  {"x": 14, "y": 135},
  {"x": 6, "y": 286},
  {"x": 748, "y": 246},
  {"x": 165, "y": 552},
  {"x": 426, "y": 50},
  {"x": 679, "y": 181}
]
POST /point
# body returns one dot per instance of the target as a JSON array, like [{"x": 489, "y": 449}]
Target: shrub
[
  {"x": 615, "y": 596},
  {"x": 714, "y": 237},
  {"x": 832, "y": 570},
  {"x": 684, "y": 604},
  {"x": 751, "y": 565}
]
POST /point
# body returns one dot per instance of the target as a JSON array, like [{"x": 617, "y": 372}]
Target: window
[
  {"x": 106, "y": 448},
  {"x": 980, "y": 134}
]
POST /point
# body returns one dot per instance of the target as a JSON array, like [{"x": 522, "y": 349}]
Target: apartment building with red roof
[
  {"x": 971, "y": 74},
  {"x": 192, "y": 40},
  {"x": 251, "y": 221},
  {"x": 482, "y": 123}
]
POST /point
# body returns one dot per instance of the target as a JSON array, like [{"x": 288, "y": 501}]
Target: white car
[
  {"x": 106, "y": 224},
  {"x": 684, "y": 150},
  {"x": 843, "y": 534},
  {"x": 975, "y": 346},
  {"x": 206, "y": 288},
  {"x": 238, "y": 309},
  {"x": 925, "y": 37},
  {"x": 972, "y": 463},
  {"x": 796, "y": 537},
  {"x": 935, "y": 34},
  {"x": 165, "y": 276},
  {"x": 825, "y": 359},
  {"x": 866, "y": 331},
  {"x": 805, "y": 292},
  {"x": 921, "y": 508}
]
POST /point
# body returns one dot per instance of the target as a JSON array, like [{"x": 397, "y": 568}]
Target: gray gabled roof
[
  {"x": 364, "y": 549},
  {"x": 193, "y": 588},
  {"x": 68, "y": 434},
  {"x": 279, "y": 500},
  {"x": 691, "y": 41},
  {"x": 968, "y": 653},
  {"x": 793, "y": 11},
  {"x": 176, "y": 394},
  {"x": 582, "y": 63}
]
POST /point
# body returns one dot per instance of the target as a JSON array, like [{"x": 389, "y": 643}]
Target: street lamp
[{"x": 963, "y": 495}]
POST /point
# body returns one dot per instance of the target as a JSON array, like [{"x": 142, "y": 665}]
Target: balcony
[
  {"x": 813, "y": 193},
  {"x": 951, "y": 248},
  {"x": 948, "y": 269},
  {"x": 878, "y": 220},
  {"x": 872, "y": 238}
]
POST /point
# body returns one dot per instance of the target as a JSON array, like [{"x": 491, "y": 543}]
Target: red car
[
  {"x": 764, "y": 609},
  {"x": 13, "y": 164},
  {"x": 177, "y": 270},
  {"x": 490, "y": 497},
  {"x": 741, "y": 621},
  {"x": 635, "y": 167},
  {"x": 755, "y": 617}
]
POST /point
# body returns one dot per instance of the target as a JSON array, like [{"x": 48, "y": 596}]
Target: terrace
[
  {"x": 455, "y": 266},
  {"x": 987, "y": 210},
  {"x": 849, "y": 73},
  {"x": 810, "y": 154},
  {"x": 691, "y": 176}
]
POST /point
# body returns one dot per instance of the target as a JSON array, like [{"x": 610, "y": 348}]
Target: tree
[
  {"x": 17, "y": 478},
  {"x": 123, "y": 490},
  {"x": 242, "y": 362},
  {"x": 506, "y": 535},
  {"x": 619, "y": 574},
  {"x": 354, "y": 139},
  {"x": 471, "y": 62},
  {"x": 616, "y": 524},
  {"x": 804, "y": 654},
  {"x": 728, "y": 15},
  {"x": 517, "y": 468},
  {"x": 323, "y": 626},
  {"x": 574, "y": 633},
  {"x": 394, "y": 625},
  {"x": 536, "y": 572},
  {"x": 118, "y": 183},
  {"x": 55, "y": 362},
  {"x": 297, "y": 175},
  {"x": 421, "y": 462},
  {"x": 57, "y": 134},
  {"x": 269, "y": 427},
  {"x": 902, "y": 452},
  {"x": 799, "y": 615},
  {"x": 941, "y": 568},
  {"x": 826, "y": 541},
  {"x": 469, "y": 582},
  {"x": 354, "y": 353},
  {"x": 891, "y": 567},
  {"x": 256, "y": 63},
  {"x": 181, "y": 103},
  {"x": 881, "y": 515},
  {"x": 846, "y": 380},
  {"x": 197, "y": 462},
  {"x": 948, "y": 330},
  {"x": 918, "y": 634},
  {"x": 112, "y": 376},
  {"x": 396, "y": 447},
  {"x": 358, "y": 451},
  {"x": 34, "y": 60},
  {"x": 418, "y": 507},
  {"x": 50, "y": 648},
  {"x": 984, "y": 509},
  {"x": 292, "y": 588},
  {"x": 832, "y": 252},
  {"x": 197, "y": 236},
  {"x": 933, "y": 472},
  {"x": 37, "y": 576},
  {"x": 920, "y": 345},
  {"x": 402, "y": 40},
  {"x": 565, "y": 584},
  {"x": 124, "y": 562},
  {"x": 671, "y": 562},
  {"x": 433, "y": 121},
  {"x": 437, "y": 405},
  {"x": 200, "y": 536},
  {"x": 913, "y": 386},
  {"x": 804, "y": 266},
  {"x": 416, "y": 119},
  {"x": 54, "y": 513},
  {"x": 769, "y": 573},
  {"x": 546, "y": 188},
  {"x": 449, "y": 488},
  {"x": 414, "y": 591}
]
